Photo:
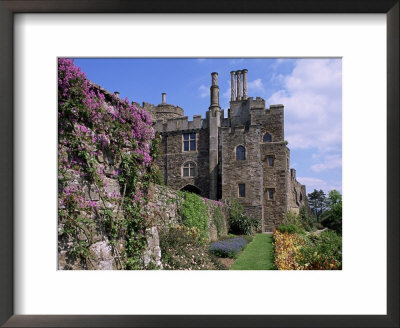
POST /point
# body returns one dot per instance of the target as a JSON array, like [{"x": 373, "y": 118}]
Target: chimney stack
[
  {"x": 239, "y": 85},
  {"x": 214, "y": 90},
  {"x": 233, "y": 86},
  {"x": 164, "y": 97},
  {"x": 244, "y": 72},
  {"x": 239, "y": 92}
]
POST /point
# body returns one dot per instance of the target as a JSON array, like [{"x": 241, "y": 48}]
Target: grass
[{"x": 257, "y": 255}]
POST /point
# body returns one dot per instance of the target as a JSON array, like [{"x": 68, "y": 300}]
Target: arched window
[
  {"x": 240, "y": 153},
  {"x": 267, "y": 137},
  {"x": 189, "y": 169}
]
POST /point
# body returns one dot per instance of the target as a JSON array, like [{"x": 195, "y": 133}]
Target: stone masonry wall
[
  {"x": 297, "y": 194},
  {"x": 163, "y": 210},
  {"x": 274, "y": 178},
  {"x": 247, "y": 172},
  {"x": 172, "y": 158}
]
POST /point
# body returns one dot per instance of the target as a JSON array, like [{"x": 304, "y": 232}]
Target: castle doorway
[{"x": 191, "y": 188}]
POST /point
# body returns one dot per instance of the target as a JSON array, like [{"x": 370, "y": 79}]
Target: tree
[
  {"x": 332, "y": 218},
  {"x": 334, "y": 197},
  {"x": 317, "y": 202}
]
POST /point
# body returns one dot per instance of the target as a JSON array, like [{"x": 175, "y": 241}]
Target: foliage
[
  {"x": 317, "y": 202},
  {"x": 228, "y": 247},
  {"x": 182, "y": 249},
  {"x": 236, "y": 209},
  {"x": 286, "y": 250},
  {"x": 194, "y": 213},
  {"x": 240, "y": 224},
  {"x": 332, "y": 218},
  {"x": 292, "y": 219},
  {"x": 288, "y": 228},
  {"x": 118, "y": 135},
  {"x": 257, "y": 255},
  {"x": 243, "y": 225},
  {"x": 302, "y": 221},
  {"x": 308, "y": 222},
  {"x": 322, "y": 252},
  {"x": 218, "y": 219},
  {"x": 312, "y": 252}
]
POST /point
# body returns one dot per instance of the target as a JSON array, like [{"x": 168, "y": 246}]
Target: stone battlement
[
  {"x": 256, "y": 103},
  {"x": 180, "y": 124}
]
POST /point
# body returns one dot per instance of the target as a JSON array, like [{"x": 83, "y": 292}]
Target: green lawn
[{"x": 257, "y": 255}]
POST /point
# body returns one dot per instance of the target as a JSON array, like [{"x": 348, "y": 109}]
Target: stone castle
[{"x": 242, "y": 156}]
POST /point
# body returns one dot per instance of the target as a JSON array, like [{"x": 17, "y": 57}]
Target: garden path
[{"x": 257, "y": 255}]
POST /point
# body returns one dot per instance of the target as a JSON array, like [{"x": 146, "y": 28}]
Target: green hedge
[{"x": 194, "y": 213}]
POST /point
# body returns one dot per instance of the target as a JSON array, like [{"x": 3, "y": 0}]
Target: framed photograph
[{"x": 36, "y": 37}]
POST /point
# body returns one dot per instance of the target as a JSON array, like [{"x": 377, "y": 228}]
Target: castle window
[
  {"x": 240, "y": 153},
  {"x": 189, "y": 141},
  {"x": 242, "y": 190},
  {"x": 271, "y": 194},
  {"x": 189, "y": 169},
  {"x": 301, "y": 197},
  {"x": 267, "y": 137},
  {"x": 270, "y": 160}
]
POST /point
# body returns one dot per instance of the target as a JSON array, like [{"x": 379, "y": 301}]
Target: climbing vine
[{"x": 102, "y": 139}]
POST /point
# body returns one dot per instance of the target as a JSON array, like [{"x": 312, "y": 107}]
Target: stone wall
[
  {"x": 297, "y": 194},
  {"x": 161, "y": 210},
  {"x": 163, "y": 207},
  {"x": 172, "y": 159},
  {"x": 274, "y": 178},
  {"x": 247, "y": 172}
]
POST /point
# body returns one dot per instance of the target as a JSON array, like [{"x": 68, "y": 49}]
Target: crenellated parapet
[{"x": 180, "y": 124}]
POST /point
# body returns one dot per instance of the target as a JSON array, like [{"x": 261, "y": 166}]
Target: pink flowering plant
[{"x": 102, "y": 138}]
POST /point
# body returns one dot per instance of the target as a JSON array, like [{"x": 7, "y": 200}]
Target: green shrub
[
  {"x": 322, "y": 252},
  {"x": 236, "y": 209},
  {"x": 218, "y": 219},
  {"x": 240, "y": 224},
  {"x": 194, "y": 213},
  {"x": 302, "y": 220},
  {"x": 332, "y": 219},
  {"x": 256, "y": 224},
  {"x": 306, "y": 220},
  {"x": 288, "y": 228}
]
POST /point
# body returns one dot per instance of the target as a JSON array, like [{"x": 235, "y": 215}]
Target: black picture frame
[{"x": 10, "y": 7}]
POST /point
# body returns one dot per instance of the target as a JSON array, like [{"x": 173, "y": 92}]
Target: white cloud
[
  {"x": 256, "y": 86},
  {"x": 313, "y": 104},
  {"x": 312, "y": 96},
  {"x": 331, "y": 161},
  {"x": 203, "y": 91}
]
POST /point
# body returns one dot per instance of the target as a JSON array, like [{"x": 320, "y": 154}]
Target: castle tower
[{"x": 214, "y": 118}]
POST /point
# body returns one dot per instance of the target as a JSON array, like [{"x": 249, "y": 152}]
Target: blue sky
[{"x": 310, "y": 90}]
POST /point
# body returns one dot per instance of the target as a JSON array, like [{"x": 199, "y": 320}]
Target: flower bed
[
  {"x": 298, "y": 252},
  {"x": 228, "y": 248}
]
